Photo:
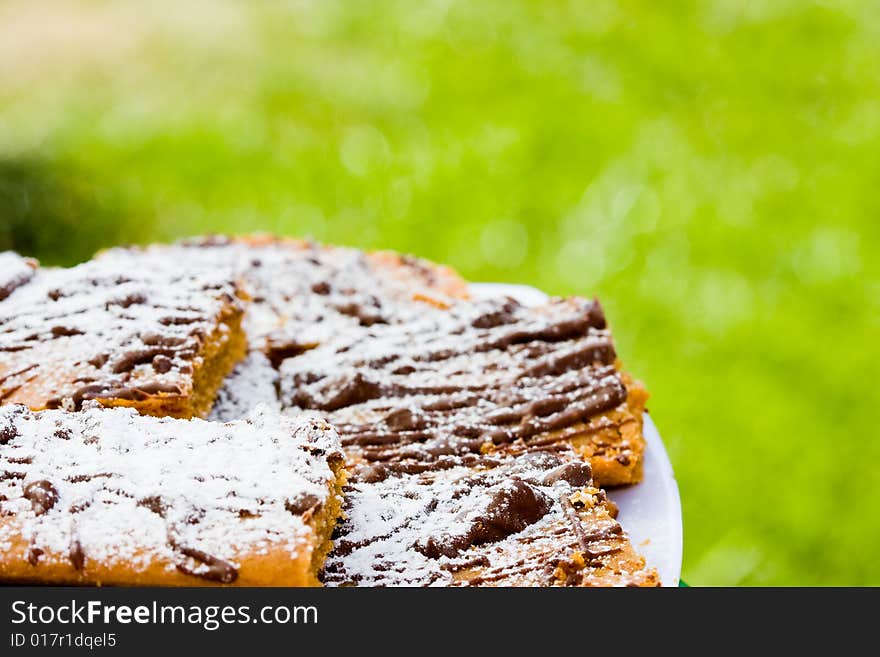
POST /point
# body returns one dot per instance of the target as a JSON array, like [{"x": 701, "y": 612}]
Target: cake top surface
[
  {"x": 447, "y": 384},
  {"x": 303, "y": 294},
  {"x": 123, "y": 325},
  {"x": 117, "y": 487},
  {"x": 516, "y": 519}
]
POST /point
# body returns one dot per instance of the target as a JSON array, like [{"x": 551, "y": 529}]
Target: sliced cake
[
  {"x": 510, "y": 518},
  {"x": 108, "y": 496},
  {"x": 128, "y": 329},
  {"x": 477, "y": 378}
]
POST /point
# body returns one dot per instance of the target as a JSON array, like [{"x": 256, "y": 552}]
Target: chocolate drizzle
[
  {"x": 155, "y": 504},
  {"x": 207, "y": 566},
  {"x": 576, "y": 474},
  {"x": 15, "y": 271},
  {"x": 76, "y": 555},
  {"x": 7, "y": 431},
  {"x": 513, "y": 506},
  {"x": 42, "y": 495},
  {"x": 302, "y": 504},
  {"x": 34, "y": 554},
  {"x": 113, "y": 390}
]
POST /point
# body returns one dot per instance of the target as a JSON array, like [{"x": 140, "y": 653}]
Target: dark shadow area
[{"x": 58, "y": 215}]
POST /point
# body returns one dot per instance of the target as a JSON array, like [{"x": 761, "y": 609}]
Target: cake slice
[
  {"x": 475, "y": 379},
  {"x": 107, "y": 496},
  {"x": 528, "y": 518},
  {"x": 127, "y": 329}
]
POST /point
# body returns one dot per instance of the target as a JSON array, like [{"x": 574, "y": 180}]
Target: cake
[
  {"x": 480, "y": 376},
  {"x": 528, "y": 518},
  {"x": 478, "y": 434},
  {"x": 125, "y": 330},
  {"x": 108, "y": 496}
]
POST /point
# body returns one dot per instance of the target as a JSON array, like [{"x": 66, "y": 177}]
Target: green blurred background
[{"x": 710, "y": 169}]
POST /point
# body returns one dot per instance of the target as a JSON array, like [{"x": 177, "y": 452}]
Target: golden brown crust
[
  {"x": 275, "y": 567},
  {"x": 613, "y": 442}
]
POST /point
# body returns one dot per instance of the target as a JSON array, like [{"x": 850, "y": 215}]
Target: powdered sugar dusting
[
  {"x": 252, "y": 382},
  {"x": 304, "y": 294}
]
